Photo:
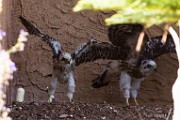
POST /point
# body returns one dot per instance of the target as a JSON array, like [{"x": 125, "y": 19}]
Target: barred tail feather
[{"x": 101, "y": 80}]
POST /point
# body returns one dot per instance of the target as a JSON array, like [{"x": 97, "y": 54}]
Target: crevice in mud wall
[{"x": 55, "y": 18}]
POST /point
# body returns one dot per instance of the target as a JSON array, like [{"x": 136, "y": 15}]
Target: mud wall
[
  {"x": 55, "y": 18},
  {"x": 5, "y": 20},
  {"x": 5, "y": 14}
]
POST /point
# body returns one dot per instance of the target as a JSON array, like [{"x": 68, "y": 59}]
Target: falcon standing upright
[
  {"x": 62, "y": 69},
  {"x": 134, "y": 69}
]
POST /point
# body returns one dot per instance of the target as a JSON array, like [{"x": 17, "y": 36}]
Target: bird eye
[
  {"x": 63, "y": 59},
  {"x": 149, "y": 66},
  {"x": 143, "y": 62}
]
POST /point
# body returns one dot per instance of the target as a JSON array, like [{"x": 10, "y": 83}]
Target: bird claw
[
  {"x": 70, "y": 96},
  {"x": 50, "y": 98},
  {"x": 49, "y": 101},
  {"x": 136, "y": 102},
  {"x": 127, "y": 101}
]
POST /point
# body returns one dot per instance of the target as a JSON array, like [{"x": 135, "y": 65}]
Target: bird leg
[
  {"x": 52, "y": 89},
  {"x": 127, "y": 101},
  {"x": 134, "y": 89},
  {"x": 136, "y": 102},
  {"x": 71, "y": 85},
  {"x": 134, "y": 93},
  {"x": 50, "y": 99},
  {"x": 125, "y": 86}
]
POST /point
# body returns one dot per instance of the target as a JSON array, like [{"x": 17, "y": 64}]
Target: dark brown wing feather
[
  {"x": 155, "y": 48},
  {"x": 124, "y": 35},
  {"x": 34, "y": 30},
  {"x": 93, "y": 50}
]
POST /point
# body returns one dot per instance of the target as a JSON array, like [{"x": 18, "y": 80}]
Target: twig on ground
[{"x": 169, "y": 113}]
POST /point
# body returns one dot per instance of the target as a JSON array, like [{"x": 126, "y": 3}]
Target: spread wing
[
  {"x": 52, "y": 42},
  {"x": 154, "y": 48},
  {"x": 124, "y": 35},
  {"x": 93, "y": 50}
]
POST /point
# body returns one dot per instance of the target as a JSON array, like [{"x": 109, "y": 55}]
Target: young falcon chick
[
  {"x": 134, "y": 69},
  {"x": 130, "y": 79},
  {"x": 62, "y": 67},
  {"x": 130, "y": 76}
]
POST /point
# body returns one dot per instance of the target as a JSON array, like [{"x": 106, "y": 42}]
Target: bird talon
[
  {"x": 127, "y": 101},
  {"x": 50, "y": 98},
  {"x": 70, "y": 96},
  {"x": 136, "y": 102},
  {"x": 49, "y": 101}
]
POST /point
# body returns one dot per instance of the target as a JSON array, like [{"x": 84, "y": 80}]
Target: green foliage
[
  {"x": 135, "y": 11},
  {"x": 101, "y": 5}
]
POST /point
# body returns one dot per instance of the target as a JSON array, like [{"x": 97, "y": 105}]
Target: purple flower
[
  {"x": 13, "y": 66},
  {"x": 22, "y": 31},
  {"x": 2, "y": 34}
]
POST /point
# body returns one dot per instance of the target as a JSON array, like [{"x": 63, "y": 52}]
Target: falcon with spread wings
[
  {"x": 134, "y": 69},
  {"x": 62, "y": 69}
]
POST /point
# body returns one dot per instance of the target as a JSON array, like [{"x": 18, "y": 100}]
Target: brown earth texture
[
  {"x": 89, "y": 111},
  {"x": 55, "y": 18}
]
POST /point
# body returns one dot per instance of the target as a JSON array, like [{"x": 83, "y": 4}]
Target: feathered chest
[
  {"x": 132, "y": 69},
  {"x": 61, "y": 70},
  {"x": 136, "y": 70}
]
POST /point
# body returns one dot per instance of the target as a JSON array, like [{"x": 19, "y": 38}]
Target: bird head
[
  {"x": 147, "y": 66},
  {"x": 66, "y": 57}
]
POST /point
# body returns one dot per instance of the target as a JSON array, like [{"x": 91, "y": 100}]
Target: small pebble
[{"x": 103, "y": 118}]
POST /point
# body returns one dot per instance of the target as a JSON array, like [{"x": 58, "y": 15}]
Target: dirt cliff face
[
  {"x": 5, "y": 21},
  {"x": 55, "y": 18}
]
